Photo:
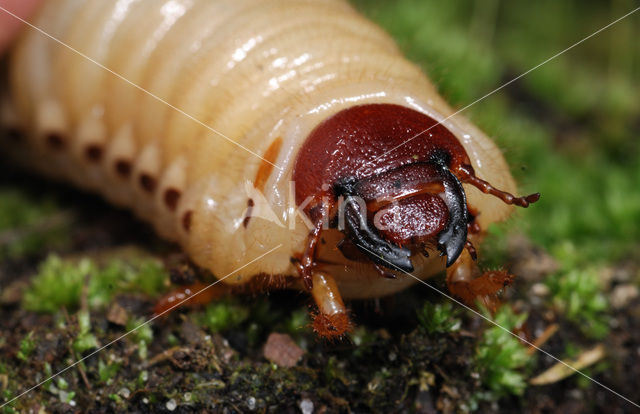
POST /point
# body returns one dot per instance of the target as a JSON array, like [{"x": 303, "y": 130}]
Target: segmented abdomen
[{"x": 260, "y": 73}]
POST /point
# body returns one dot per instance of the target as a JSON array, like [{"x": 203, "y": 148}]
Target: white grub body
[{"x": 253, "y": 70}]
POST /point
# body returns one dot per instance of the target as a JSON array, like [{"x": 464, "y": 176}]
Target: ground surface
[{"x": 76, "y": 274}]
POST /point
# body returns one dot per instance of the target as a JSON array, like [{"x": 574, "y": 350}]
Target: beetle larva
[{"x": 320, "y": 94}]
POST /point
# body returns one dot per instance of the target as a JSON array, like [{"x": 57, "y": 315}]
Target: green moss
[
  {"x": 438, "y": 318},
  {"x": 107, "y": 371},
  {"x": 577, "y": 295},
  {"x": 172, "y": 340},
  {"x": 59, "y": 282},
  {"x": 48, "y": 371},
  {"x": 67, "y": 397},
  {"x": 298, "y": 321},
  {"x": 142, "y": 379},
  {"x": 460, "y": 65},
  {"x": 334, "y": 372},
  {"x": 30, "y": 224},
  {"x": 144, "y": 276},
  {"x": 26, "y": 347},
  {"x": 142, "y": 335},
  {"x": 363, "y": 339},
  {"x": 500, "y": 357},
  {"x": 62, "y": 383},
  {"x": 596, "y": 212},
  {"x": 8, "y": 409},
  {"x": 147, "y": 276},
  {"x": 223, "y": 315},
  {"x": 84, "y": 340}
]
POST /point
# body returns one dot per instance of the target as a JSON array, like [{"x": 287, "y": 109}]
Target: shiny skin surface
[{"x": 370, "y": 140}]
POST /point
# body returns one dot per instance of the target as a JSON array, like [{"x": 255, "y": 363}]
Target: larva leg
[
  {"x": 332, "y": 320},
  {"x": 308, "y": 257},
  {"x": 483, "y": 289},
  {"x": 307, "y": 261},
  {"x": 168, "y": 301}
]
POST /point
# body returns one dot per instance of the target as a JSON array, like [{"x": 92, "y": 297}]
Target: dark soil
[{"x": 388, "y": 365}]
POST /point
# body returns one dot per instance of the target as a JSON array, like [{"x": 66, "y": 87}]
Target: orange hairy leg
[
  {"x": 193, "y": 294},
  {"x": 471, "y": 290},
  {"x": 332, "y": 319},
  {"x": 197, "y": 293}
]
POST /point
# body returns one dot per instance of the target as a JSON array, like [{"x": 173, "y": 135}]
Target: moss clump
[
  {"x": 438, "y": 318},
  {"x": 107, "y": 371},
  {"x": 8, "y": 409},
  {"x": 223, "y": 315},
  {"x": 85, "y": 340},
  {"x": 297, "y": 322},
  {"x": 577, "y": 295},
  {"x": 26, "y": 347},
  {"x": 30, "y": 224},
  {"x": 500, "y": 357},
  {"x": 141, "y": 334},
  {"x": 59, "y": 282}
]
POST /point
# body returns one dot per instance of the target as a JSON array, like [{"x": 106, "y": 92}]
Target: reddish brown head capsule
[{"x": 399, "y": 174}]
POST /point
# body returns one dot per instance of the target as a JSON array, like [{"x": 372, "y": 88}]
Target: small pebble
[
  {"x": 540, "y": 289},
  {"x": 306, "y": 406},
  {"x": 124, "y": 392},
  {"x": 64, "y": 396},
  {"x": 117, "y": 315},
  {"x": 622, "y": 295},
  {"x": 576, "y": 394},
  {"x": 171, "y": 404},
  {"x": 282, "y": 350},
  {"x": 251, "y": 403}
]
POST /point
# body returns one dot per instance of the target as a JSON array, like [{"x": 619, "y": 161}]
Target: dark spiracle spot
[
  {"x": 186, "y": 220},
  {"x": 171, "y": 197},
  {"x": 147, "y": 182},
  {"x": 94, "y": 152},
  {"x": 247, "y": 217},
  {"x": 123, "y": 168},
  {"x": 56, "y": 140}
]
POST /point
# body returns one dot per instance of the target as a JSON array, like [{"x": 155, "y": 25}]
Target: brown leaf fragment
[
  {"x": 622, "y": 295},
  {"x": 282, "y": 350},
  {"x": 117, "y": 315},
  {"x": 560, "y": 371},
  {"x": 543, "y": 338},
  {"x": 12, "y": 294}
]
